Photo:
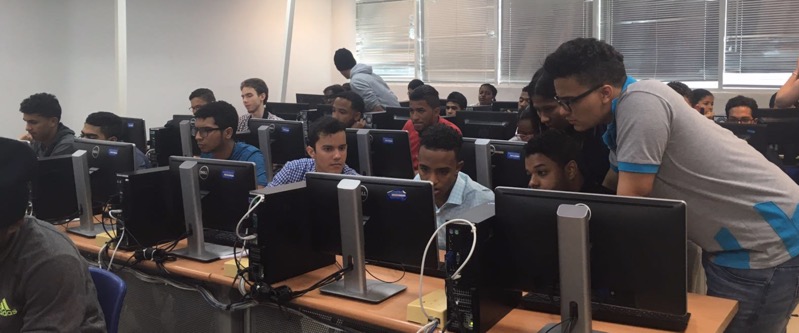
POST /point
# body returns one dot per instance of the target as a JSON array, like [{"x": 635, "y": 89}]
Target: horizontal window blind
[{"x": 384, "y": 39}]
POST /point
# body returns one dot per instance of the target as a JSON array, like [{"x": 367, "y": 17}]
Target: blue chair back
[{"x": 110, "y": 294}]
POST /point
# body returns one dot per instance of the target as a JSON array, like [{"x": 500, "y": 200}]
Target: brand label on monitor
[
  {"x": 512, "y": 155},
  {"x": 388, "y": 140},
  {"x": 113, "y": 152},
  {"x": 203, "y": 173},
  {"x": 130, "y": 125},
  {"x": 397, "y": 195},
  {"x": 228, "y": 174},
  {"x": 285, "y": 129}
]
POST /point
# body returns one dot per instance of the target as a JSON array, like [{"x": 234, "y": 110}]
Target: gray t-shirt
[
  {"x": 742, "y": 212},
  {"x": 45, "y": 285}
]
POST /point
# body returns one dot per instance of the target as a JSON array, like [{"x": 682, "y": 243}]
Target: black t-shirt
[
  {"x": 593, "y": 159},
  {"x": 45, "y": 284}
]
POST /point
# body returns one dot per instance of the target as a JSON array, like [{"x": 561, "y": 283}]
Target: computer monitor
[
  {"x": 165, "y": 142},
  {"x": 399, "y": 218},
  {"x": 507, "y": 164},
  {"x": 287, "y": 139},
  {"x": 478, "y": 108},
  {"x": 135, "y": 132},
  {"x": 783, "y": 130},
  {"x": 53, "y": 193},
  {"x": 287, "y": 111},
  {"x": 353, "y": 160},
  {"x": 176, "y": 119},
  {"x": 469, "y": 158},
  {"x": 754, "y": 134},
  {"x": 487, "y": 124},
  {"x": 224, "y": 189},
  {"x": 382, "y": 120},
  {"x": 505, "y": 106},
  {"x": 637, "y": 248},
  {"x": 324, "y": 109},
  {"x": 311, "y": 99},
  {"x": 389, "y": 153},
  {"x": 150, "y": 213},
  {"x": 399, "y": 116},
  {"x": 106, "y": 160}
]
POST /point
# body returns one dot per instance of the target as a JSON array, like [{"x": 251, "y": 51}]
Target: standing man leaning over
[
  {"x": 424, "y": 113},
  {"x": 42, "y": 115},
  {"x": 370, "y": 86},
  {"x": 744, "y": 216},
  {"x": 254, "y": 94}
]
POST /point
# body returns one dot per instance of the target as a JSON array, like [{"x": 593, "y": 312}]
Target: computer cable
[
  {"x": 456, "y": 275},
  {"x": 372, "y": 262},
  {"x": 254, "y": 204},
  {"x": 119, "y": 241},
  {"x": 567, "y": 327}
]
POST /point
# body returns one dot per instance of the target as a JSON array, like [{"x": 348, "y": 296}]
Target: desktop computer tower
[
  {"x": 477, "y": 300},
  {"x": 149, "y": 212}
]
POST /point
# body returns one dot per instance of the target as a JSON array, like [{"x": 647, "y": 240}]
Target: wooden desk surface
[{"x": 708, "y": 314}]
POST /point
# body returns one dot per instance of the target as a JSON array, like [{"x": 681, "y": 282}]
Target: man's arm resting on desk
[{"x": 635, "y": 184}]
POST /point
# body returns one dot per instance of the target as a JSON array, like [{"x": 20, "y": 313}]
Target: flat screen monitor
[
  {"x": 311, "y": 99},
  {"x": 224, "y": 190},
  {"x": 53, "y": 194},
  {"x": 287, "y": 139},
  {"x": 505, "y": 106},
  {"x": 106, "y": 160},
  {"x": 478, "y": 108},
  {"x": 135, "y": 132},
  {"x": 754, "y": 134},
  {"x": 325, "y": 109},
  {"x": 390, "y": 154},
  {"x": 783, "y": 131},
  {"x": 469, "y": 158},
  {"x": 487, "y": 124},
  {"x": 399, "y": 116},
  {"x": 287, "y": 111},
  {"x": 637, "y": 246},
  {"x": 353, "y": 160},
  {"x": 399, "y": 218},
  {"x": 176, "y": 119},
  {"x": 507, "y": 164}
]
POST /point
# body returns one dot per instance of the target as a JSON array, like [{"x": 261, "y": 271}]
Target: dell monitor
[
  {"x": 106, "y": 160},
  {"x": 637, "y": 253},
  {"x": 134, "y": 131},
  {"x": 53, "y": 193},
  {"x": 505, "y": 106},
  {"x": 399, "y": 116},
  {"x": 399, "y": 218},
  {"x": 783, "y": 131},
  {"x": 176, "y": 119},
  {"x": 287, "y": 111},
  {"x": 389, "y": 153},
  {"x": 287, "y": 139},
  {"x": 353, "y": 160},
  {"x": 468, "y": 157},
  {"x": 507, "y": 163},
  {"x": 487, "y": 124},
  {"x": 311, "y": 99}
]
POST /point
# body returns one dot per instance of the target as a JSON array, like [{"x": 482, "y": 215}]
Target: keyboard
[
  {"x": 221, "y": 237},
  {"x": 612, "y": 313}
]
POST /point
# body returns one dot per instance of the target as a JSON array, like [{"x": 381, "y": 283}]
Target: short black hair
[
  {"x": 490, "y": 87},
  {"x": 109, "y": 123},
  {"x": 326, "y": 125},
  {"x": 257, "y": 84},
  {"x": 204, "y": 93},
  {"x": 526, "y": 89},
  {"x": 42, "y": 104},
  {"x": 334, "y": 89},
  {"x": 343, "y": 59},
  {"x": 457, "y": 98},
  {"x": 415, "y": 83},
  {"x": 426, "y": 93},
  {"x": 17, "y": 172},
  {"x": 555, "y": 145},
  {"x": 545, "y": 86},
  {"x": 740, "y": 100},
  {"x": 223, "y": 113},
  {"x": 698, "y": 94},
  {"x": 442, "y": 137},
  {"x": 528, "y": 114},
  {"x": 682, "y": 89},
  {"x": 590, "y": 61},
  {"x": 358, "y": 104},
  {"x": 346, "y": 86}
]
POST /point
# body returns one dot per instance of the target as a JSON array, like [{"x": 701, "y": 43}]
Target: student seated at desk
[
  {"x": 254, "y": 94},
  {"x": 327, "y": 146},
  {"x": 552, "y": 162},
  {"x": 424, "y": 113},
  {"x": 455, "y": 103},
  {"x": 348, "y": 108},
  {"x": 42, "y": 115},
  {"x": 108, "y": 126},
  {"x": 739, "y": 110},
  {"x": 213, "y": 129},
  {"x": 527, "y": 127},
  {"x": 440, "y": 163},
  {"x": 46, "y": 285}
]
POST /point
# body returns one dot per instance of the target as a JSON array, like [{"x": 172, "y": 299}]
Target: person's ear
[
  {"x": 606, "y": 92},
  {"x": 572, "y": 170},
  {"x": 54, "y": 121},
  {"x": 228, "y": 133},
  {"x": 311, "y": 152}
]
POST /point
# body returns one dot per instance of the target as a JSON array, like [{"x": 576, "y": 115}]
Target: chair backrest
[{"x": 110, "y": 293}]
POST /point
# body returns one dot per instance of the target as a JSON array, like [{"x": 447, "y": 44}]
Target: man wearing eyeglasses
[
  {"x": 739, "y": 110},
  {"x": 744, "y": 215},
  {"x": 213, "y": 129},
  {"x": 199, "y": 98}
]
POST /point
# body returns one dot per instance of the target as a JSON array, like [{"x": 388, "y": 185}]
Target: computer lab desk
[{"x": 708, "y": 314}]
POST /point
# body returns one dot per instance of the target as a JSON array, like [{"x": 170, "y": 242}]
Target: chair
[{"x": 110, "y": 293}]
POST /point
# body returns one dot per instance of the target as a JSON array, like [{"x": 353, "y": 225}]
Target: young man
[
  {"x": 553, "y": 162},
  {"x": 331, "y": 91},
  {"x": 596, "y": 168},
  {"x": 424, "y": 113},
  {"x": 455, "y": 103},
  {"x": 199, "y": 98},
  {"x": 327, "y": 146},
  {"x": 254, "y": 94},
  {"x": 740, "y": 214},
  {"x": 46, "y": 285},
  {"x": 739, "y": 110},
  {"x": 108, "y": 126},
  {"x": 42, "y": 115},
  {"x": 348, "y": 109},
  {"x": 415, "y": 83},
  {"x": 214, "y": 128},
  {"x": 683, "y": 90},
  {"x": 524, "y": 98},
  {"x": 364, "y": 82},
  {"x": 440, "y": 163}
]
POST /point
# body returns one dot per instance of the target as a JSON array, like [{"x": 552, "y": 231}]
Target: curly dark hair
[
  {"x": 556, "y": 145},
  {"x": 740, "y": 100},
  {"x": 442, "y": 137},
  {"x": 43, "y": 104},
  {"x": 109, "y": 123},
  {"x": 592, "y": 62},
  {"x": 223, "y": 113},
  {"x": 326, "y": 125}
]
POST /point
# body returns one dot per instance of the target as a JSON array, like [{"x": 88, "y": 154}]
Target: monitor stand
[
  {"x": 83, "y": 190},
  {"x": 196, "y": 248},
  {"x": 575, "y": 273},
  {"x": 364, "y": 141},
  {"x": 184, "y": 127},
  {"x": 265, "y": 143},
  {"x": 354, "y": 284}
]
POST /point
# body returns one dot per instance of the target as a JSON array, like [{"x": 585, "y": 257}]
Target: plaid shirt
[
  {"x": 294, "y": 172},
  {"x": 244, "y": 120}
]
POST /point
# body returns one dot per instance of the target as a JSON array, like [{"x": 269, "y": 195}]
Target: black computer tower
[
  {"x": 477, "y": 300},
  {"x": 150, "y": 214}
]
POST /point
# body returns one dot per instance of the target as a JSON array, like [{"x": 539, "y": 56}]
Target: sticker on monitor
[
  {"x": 397, "y": 195},
  {"x": 228, "y": 174}
]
